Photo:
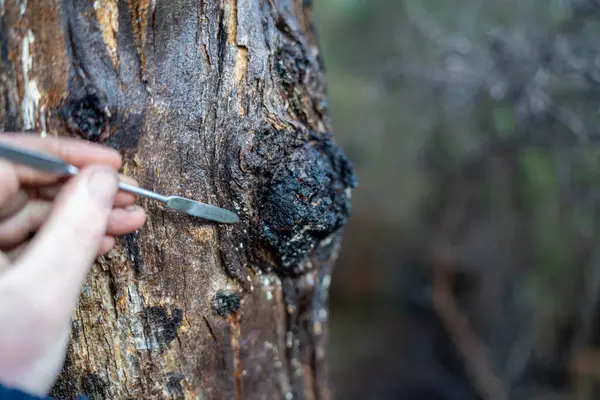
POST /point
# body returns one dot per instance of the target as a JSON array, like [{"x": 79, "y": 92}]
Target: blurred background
[{"x": 470, "y": 268}]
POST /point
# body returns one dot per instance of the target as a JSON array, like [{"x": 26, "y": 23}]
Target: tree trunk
[{"x": 221, "y": 101}]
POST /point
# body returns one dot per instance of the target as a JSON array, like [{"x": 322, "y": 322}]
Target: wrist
[{"x": 10, "y": 393}]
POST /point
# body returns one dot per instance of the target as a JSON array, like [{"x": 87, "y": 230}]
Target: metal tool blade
[
  {"x": 202, "y": 210},
  {"x": 43, "y": 162}
]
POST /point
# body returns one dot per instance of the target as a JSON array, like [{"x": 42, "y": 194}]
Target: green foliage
[
  {"x": 503, "y": 119},
  {"x": 540, "y": 184},
  {"x": 540, "y": 192}
]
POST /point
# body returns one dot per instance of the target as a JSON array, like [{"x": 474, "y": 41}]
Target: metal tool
[{"x": 48, "y": 163}]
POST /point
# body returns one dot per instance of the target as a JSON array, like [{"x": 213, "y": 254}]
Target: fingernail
[
  {"x": 132, "y": 208},
  {"x": 103, "y": 185},
  {"x": 129, "y": 180}
]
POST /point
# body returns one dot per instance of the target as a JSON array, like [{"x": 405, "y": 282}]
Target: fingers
[
  {"x": 125, "y": 199},
  {"x": 74, "y": 151},
  {"x": 12, "y": 205},
  {"x": 22, "y": 224},
  {"x": 16, "y": 252},
  {"x": 58, "y": 259},
  {"x": 24, "y": 213},
  {"x": 9, "y": 182},
  {"x": 122, "y": 200},
  {"x": 107, "y": 244},
  {"x": 38, "y": 294},
  {"x": 4, "y": 263},
  {"x": 125, "y": 220}
]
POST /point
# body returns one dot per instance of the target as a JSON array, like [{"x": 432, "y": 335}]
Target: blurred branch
[
  {"x": 465, "y": 339},
  {"x": 419, "y": 17},
  {"x": 588, "y": 313},
  {"x": 585, "y": 367}
]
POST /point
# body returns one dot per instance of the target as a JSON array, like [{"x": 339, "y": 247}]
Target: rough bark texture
[{"x": 221, "y": 101}]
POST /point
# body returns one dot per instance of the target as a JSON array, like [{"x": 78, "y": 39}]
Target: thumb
[{"x": 60, "y": 255}]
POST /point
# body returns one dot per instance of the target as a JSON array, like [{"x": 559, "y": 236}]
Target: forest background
[{"x": 471, "y": 265}]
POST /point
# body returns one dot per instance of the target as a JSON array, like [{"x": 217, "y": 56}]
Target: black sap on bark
[{"x": 303, "y": 196}]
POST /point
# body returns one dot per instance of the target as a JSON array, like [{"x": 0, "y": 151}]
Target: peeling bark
[{"x": 220, "y": 101}]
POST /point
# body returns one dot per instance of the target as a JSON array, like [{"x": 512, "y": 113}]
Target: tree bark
[{"x": 221, "y": 101}]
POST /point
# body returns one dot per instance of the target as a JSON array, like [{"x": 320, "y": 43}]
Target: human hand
[{"x": 74, "y": 221}]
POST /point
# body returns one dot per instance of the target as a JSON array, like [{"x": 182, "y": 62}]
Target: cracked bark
[{"x": 220, "y": 101}]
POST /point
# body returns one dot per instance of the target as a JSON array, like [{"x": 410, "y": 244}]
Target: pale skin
[{"x": 51, "y": 231}]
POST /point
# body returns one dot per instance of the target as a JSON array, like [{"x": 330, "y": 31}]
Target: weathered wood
[{"x": 221, "y": 101}]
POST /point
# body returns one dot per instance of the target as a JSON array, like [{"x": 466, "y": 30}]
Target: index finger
[{"x": 78, "y": 152}]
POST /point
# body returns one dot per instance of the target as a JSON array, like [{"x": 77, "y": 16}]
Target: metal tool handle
[
  {"x": 142, "y": 192},
  {"x": 40, "y": 161},
  {"x": 55, "y": 165},
  {"x": 48, "y": 163}
]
